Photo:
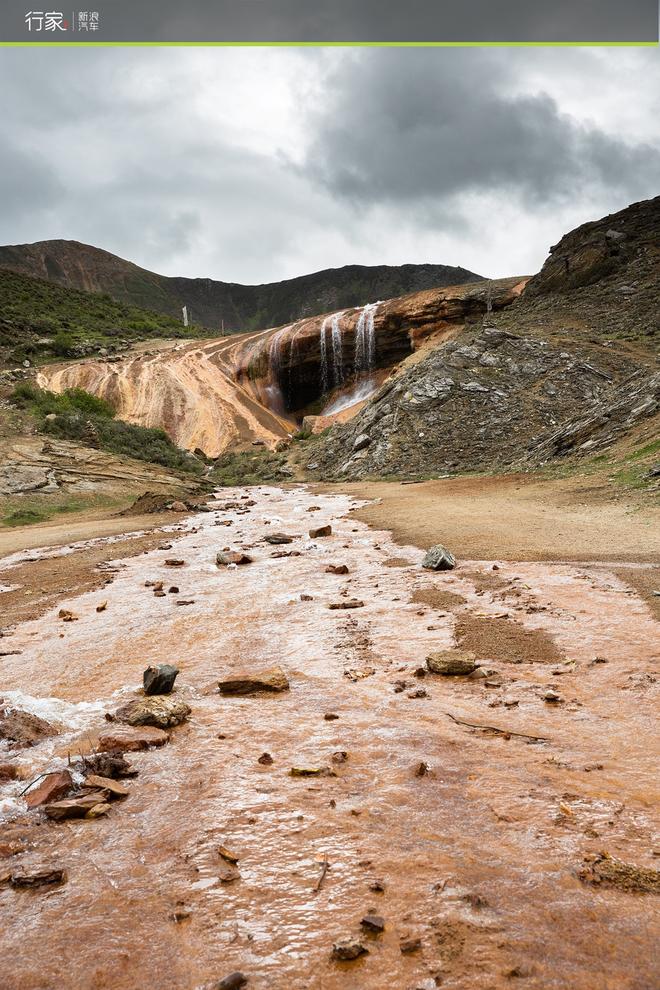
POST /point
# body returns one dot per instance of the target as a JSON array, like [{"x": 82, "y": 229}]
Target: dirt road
[{"x": 473, "y": 844}]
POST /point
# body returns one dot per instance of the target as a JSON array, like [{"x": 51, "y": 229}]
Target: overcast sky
[{"x": 253, "y": 165}]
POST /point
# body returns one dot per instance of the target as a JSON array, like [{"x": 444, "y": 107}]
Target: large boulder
[
  {"x": 159, "y": 711},
  {"x": 251, "y": 682},
  {"x": 438, "y": 558},
  {"x": 160, "y": 679}
]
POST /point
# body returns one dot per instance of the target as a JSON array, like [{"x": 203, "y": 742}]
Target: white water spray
[
  {"x": 324, "y": 355},
  {"x": 365, "y": 340},
  {"x": 337, "y": 356}
]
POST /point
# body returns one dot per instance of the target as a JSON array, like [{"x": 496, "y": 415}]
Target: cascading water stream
[
  {"x": 365, "y": 340},
  {"x": 337, "y": 356},
  {"x": 324, "y": 355}
]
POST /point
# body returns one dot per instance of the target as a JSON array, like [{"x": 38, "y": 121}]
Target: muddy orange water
[{"x": 478, "y": 857}]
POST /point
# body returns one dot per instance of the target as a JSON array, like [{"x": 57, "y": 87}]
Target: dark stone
[
  {"x": 232, "y": 982},
  {"x": 438, "y": 558},
  {"x": 320, "y": 531},
  {"x": 160, "y": 679}
]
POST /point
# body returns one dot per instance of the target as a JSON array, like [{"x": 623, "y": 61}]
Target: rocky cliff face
[
  {"x": 213, "y": 303},
  {"x": 568, "y": 367},
  {"x": 309, "y": 359}
]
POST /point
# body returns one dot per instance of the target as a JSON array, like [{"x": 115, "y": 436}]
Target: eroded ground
[{"x": 478, "y": 854}]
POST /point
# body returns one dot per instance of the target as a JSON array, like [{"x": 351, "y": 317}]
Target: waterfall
[
  {"x": 365, "y": 340},
  {"x": 337, "y": 357},
  {"x": 324, "y": 355}
]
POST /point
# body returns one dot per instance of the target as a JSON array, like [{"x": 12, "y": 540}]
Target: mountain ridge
[{"x": 231, "y": 306}]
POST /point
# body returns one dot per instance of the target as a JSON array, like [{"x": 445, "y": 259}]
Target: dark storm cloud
[
  {"x": 405, "y": 126},
  {"x": 254, "y": 165}
]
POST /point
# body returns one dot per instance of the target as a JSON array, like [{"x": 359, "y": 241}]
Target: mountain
[{"x": 215, "y": 304}]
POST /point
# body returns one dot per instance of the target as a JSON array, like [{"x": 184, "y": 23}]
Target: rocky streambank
[{"x": 414, "y": 790}]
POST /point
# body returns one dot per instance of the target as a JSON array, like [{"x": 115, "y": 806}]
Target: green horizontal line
[{"x": 330, "y": 44}]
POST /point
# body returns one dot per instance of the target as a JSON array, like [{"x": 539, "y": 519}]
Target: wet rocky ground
[{"x": 315, "y": 804}]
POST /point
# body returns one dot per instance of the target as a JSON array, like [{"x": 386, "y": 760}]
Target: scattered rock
[
  {"x": 21, "y": 728},
  {"x": 227, "y": 557},
  {"x": 46, "y": 876},
  {"x": 160, "y": 679},
  {"x": 228, "y": 855},
  {"x": 66, "y": 615},
  {"x": 408, "y": 945},
  {"x": 172, "y": 562},
  {"x": 348, "y": 948},
  {"x": 265, "y": 759},
  {"x": 160, "y": 711},
  {"x": 76, "y": 807},
  {"x": 438, "y": 558},
  {"x": 178, "y": 507},
  {"x": 349, "y": 603},
  {"x": 113, "y": 787},
  {"x": 112, "y": 765},
  {"x": 336, "y": 569},
  {"x": 250, "y": 682},
  {"x": 603, "y": 869},
  {"x": 422, "y": 769},
  {"x": 53, "y": 787},
  {"x": 320, "y": 531},
  {"x": 341, "y": 756},
  {"x": 361, "y": 441},
  {"x": 277, "y": 538},
  {"x": 418, "y": 693},
  {"x": 228, "y": 872},
  {"x": 373, "y": 923},
  {"x": 311, "y": 772},
  {"x": 330, "y": 716},
  {"x": 377, "y": 886},
  {"x": 102, "y": 606},
  {"x": 8, "y": 771},
  {"x": 232, "y": 982},
  {"x": 553, "y": 698},
  {"x": 127, "y": 739},
  {"x": 451, "y": 662}
]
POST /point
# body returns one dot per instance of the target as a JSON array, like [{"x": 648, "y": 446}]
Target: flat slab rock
[
  {"x": 53, "y": 787},
  {"x": 161, "y": 711},
  {"x": 251, "y": 682},
  {"x": 81, "y": 806},
  {"x": 320, "y": 531},
  {"x": 227, "y": 557},
  {"x": 451, "y": 662},
  {"x": 127, "y": 739}
]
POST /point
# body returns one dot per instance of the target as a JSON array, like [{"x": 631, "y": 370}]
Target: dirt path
[
  {"x": 516, "y": 517},
  {"x": 477, "y": 855}
]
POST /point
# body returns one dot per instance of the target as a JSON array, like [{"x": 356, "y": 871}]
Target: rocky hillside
[
  {"x": 213, "y": 303},
  {"x": 570, "y": 366}
]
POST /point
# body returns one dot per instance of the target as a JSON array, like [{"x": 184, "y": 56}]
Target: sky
[{"x": 258, "y": 164}]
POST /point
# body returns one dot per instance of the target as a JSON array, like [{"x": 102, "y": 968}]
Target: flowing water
[
  {"x": 476, "y": 857},
  {"x": 365, "y": 340},
  {"x": 337, "y": 350}
]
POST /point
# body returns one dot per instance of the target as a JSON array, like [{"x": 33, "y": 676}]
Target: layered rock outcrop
[{"x": 225, "y": 393}]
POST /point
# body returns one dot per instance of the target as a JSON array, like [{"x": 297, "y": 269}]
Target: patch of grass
[
  {"x": 76, "y": 415},
  {"x": 648, "y": 450},
  {"x": 27, "y": 510},
  {"x": 249, "y": 468}
]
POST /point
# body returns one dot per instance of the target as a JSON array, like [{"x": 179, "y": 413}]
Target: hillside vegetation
[
  {"x": 41, "y": 320},
  {"x": 78, "y": 416}
]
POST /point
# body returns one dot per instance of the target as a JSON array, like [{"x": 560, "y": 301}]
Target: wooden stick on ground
[
  {"x": 325, "y": 866},
  {"x": 494, "y": 728}
]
